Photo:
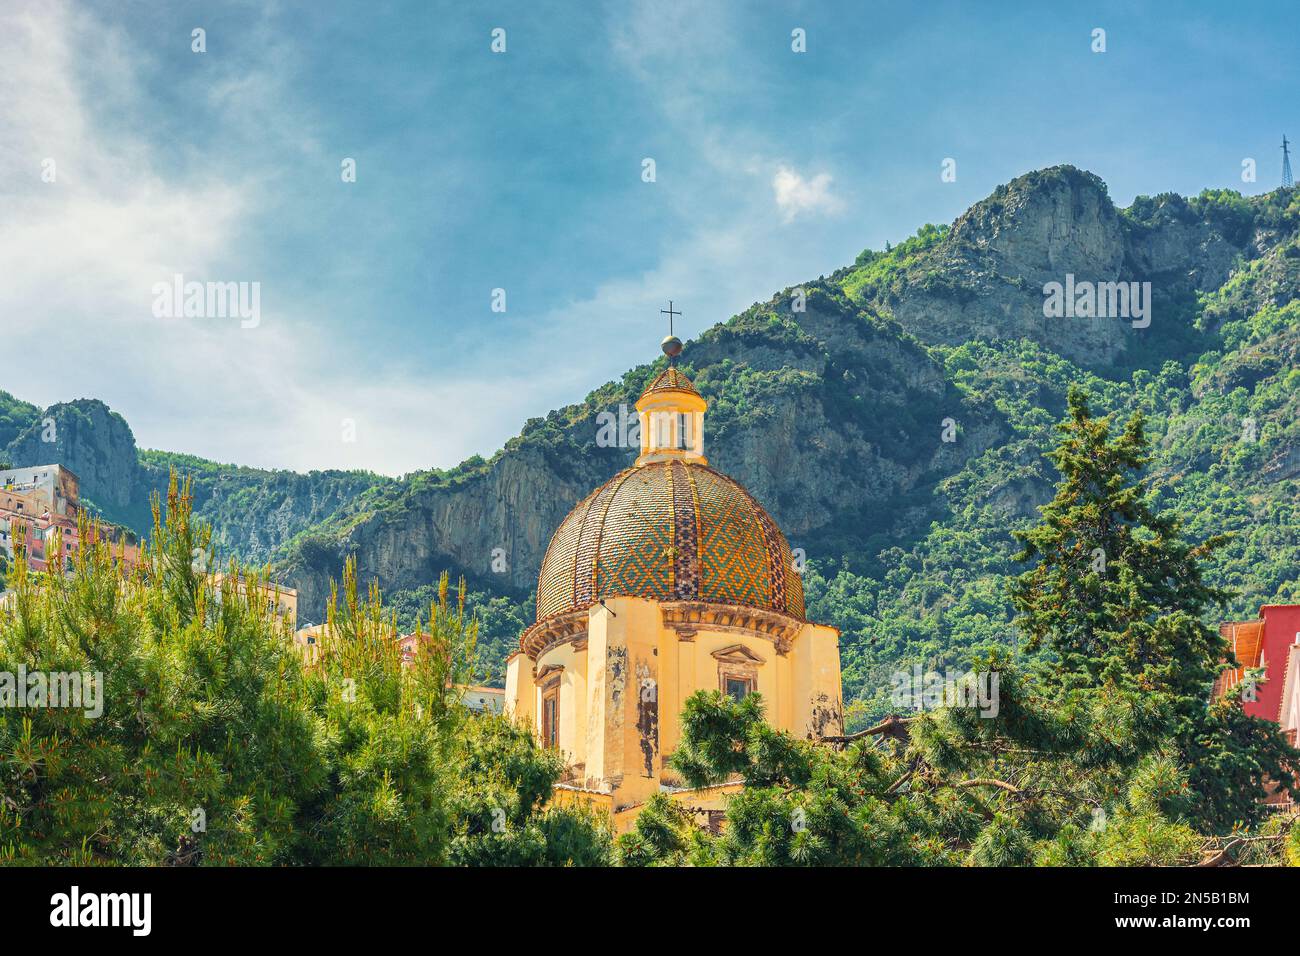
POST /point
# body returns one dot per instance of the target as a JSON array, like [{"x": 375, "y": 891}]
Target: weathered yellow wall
[
  {"x": 621, "y": 697},
  {"x": 521, "y": 702},
  {"x": 622, "y": 819},
  {"x": 573, "y": 700},
  {"x": 598, "y": 756},
  {"x": 624, "y": 687},
  {"x": 817, "y": 699}
]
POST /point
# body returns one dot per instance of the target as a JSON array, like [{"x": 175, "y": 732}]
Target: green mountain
[
  {"x": 254, "y": 511},
  {"x": 832, "y": 403}
]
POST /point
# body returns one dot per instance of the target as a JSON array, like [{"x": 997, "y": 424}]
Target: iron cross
[{"x": 670, "y": 312}]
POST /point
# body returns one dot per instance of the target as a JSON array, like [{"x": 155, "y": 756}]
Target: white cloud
[
  {"x": 796, "y": 195},
  {"x": 721, "y": 256},
  {"x": 81, "y": 256}
]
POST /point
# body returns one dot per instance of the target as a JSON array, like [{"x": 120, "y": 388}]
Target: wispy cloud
[
  {"x": 82, "y": 254},
  {"x": 477, "y": 171},
  {"x": 689, "y": 62},
  {"x": 796, "y": 195}
]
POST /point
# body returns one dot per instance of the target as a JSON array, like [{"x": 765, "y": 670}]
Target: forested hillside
[
  {"x": 831, "y": 402},
  {"x": 835, "y": 417},
  {"x": 253, "y": 511}
]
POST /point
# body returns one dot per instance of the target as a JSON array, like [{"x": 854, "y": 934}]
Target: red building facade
[{"x": 1267, "y": 678}]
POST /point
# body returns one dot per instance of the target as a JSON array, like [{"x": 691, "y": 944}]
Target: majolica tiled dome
[{"x": 669, "y": 531}]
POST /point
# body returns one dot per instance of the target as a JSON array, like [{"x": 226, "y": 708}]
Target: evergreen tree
[
  {"x": 1117, "y": 596},
  {"x": 1103, "y": 749},
  {"x": 217, "y": 745}
]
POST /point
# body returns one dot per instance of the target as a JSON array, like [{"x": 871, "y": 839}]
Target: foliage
[
  {"x": 1117, "y": 594},
  {"x": 1038, "y": 784},
  {"x": 500, "y": 621},
  {"x": 1102, "y": 749},
  {"x": 218, "y": 745},
  {"x": 253, "y": 512},
  {"x": 16, "y": 417},
  {"x": 872, "y": 272}
]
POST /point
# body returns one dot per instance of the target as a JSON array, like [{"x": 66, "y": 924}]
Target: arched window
[{"x": 551, "y": 715}]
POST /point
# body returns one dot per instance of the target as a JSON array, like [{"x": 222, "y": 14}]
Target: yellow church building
[{"x": 666, "y": 580}]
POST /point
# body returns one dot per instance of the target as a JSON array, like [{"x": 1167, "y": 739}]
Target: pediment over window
[
  {"x": 548, "y": 672},
  {"x": 737, "y": 654}
]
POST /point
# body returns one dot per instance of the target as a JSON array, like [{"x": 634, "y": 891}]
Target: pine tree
[
  {"x": 1103, "y": 750},
  {"x": 1117, "y": 595},
  {"x": 218, "y": 745}
]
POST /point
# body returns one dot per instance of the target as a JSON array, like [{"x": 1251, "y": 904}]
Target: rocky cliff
[
  {"x": 825, "y": 415},
  {"x": 830, "y": 413},
  {"x": 891, "y": 416},
  {"x": 89, "y": 438},
  {"x": 985, "y": 278},
  {"x": 835, "y": 416},
  {"x": 254, "y": 512}
]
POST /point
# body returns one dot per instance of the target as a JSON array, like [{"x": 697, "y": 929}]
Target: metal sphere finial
[{"x": 672, "y": 346}]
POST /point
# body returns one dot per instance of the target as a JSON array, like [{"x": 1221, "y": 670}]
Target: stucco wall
[{"x": 626, "y": 680}]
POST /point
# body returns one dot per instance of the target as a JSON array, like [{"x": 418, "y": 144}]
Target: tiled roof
[
  {"x": 1246, "y": 640},
  {"x": 669, "y": 531},
  {"x": 671, "y": 380}
]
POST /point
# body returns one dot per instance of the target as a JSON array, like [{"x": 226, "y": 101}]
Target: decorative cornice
[
  {"x": 539, "y": 638},
  {"x": 550, "y": 671},
  {"x": 692, "y": 616},
  {"x": 685, "y": 618}
]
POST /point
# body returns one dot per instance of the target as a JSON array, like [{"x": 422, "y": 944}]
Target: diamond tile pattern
[
  {"x": 734, "y": 566},
  {"x": 555, "y": 583},
  {"x": 669, "y": 531},
  {"x": 636, "y": 554}
]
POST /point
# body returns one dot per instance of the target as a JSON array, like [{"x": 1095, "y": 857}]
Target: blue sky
[{"x": 522, "y": 171}]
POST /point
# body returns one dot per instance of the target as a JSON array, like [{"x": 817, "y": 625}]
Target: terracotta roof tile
[
  {"x": 671, "y": 379},
  {"x": 1246, "y": 640}
]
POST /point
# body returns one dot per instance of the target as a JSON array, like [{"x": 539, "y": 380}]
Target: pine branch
[
  {"x": 892, "y": 726},
  {"x": 988, "y": 782},
  {"x": 1223, "y": 857}
]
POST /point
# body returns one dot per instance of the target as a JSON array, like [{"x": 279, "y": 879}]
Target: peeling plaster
[
  {"x": 647, "y": 716},
  {"x": 617, "y": 685},
  {"x": 827, "y": 717}
]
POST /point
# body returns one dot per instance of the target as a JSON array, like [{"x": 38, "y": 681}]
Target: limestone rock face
[
  {"x": 89, "y": 438},
  {"x": 824, "y": 423},
  {"x": 986, "y": 278},
  {"x": 253, "y": 512},
  {"x": 840, "y": 419},
  {"x": 1040, "y": 227},
  {"x": 512, "y": 506},
  {"x": 831, "y": 417},
  {"x": 1191, "y": 251}
]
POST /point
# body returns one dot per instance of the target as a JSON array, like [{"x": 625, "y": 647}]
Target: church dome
[{"x": 673, "y": 530}]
